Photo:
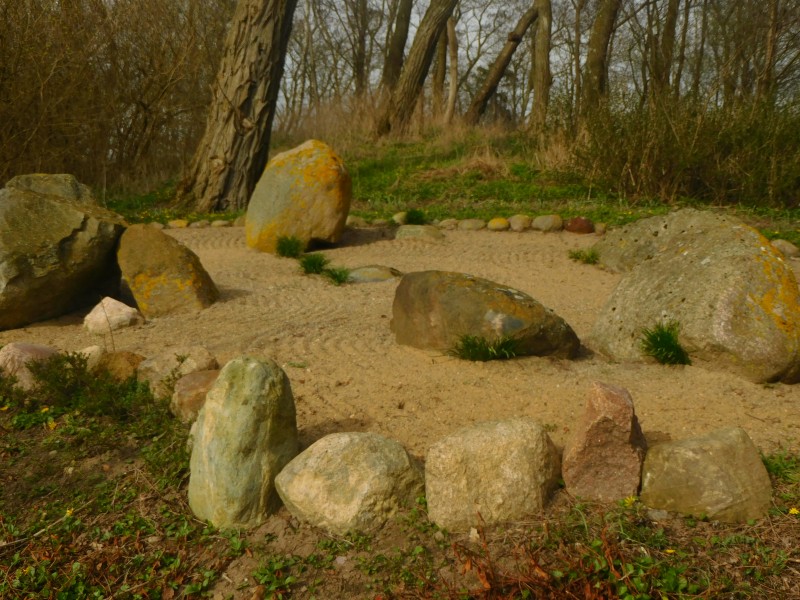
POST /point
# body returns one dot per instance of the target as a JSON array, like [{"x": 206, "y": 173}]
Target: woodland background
[{"x": 657, "y": 99}]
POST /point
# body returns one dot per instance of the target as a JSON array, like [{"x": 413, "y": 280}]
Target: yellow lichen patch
[
  {"x": 781, "y": 300},
  {"x": 159, "y": 294}
]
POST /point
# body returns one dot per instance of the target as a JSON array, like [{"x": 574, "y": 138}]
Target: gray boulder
[
  {"x": 548, "y": 223},
  {"x": 16, "y": 357},
  {"x": 434, "y": 309},
  {"x": 164, "y": 276},
  {"x": 55, "y": 256},
  {"x": 373, "y": 274},
  {"x": 732, "y": 293},
  {"x": 350, "y": 482},
  {"x": 303, "y": 193},
  {"x": 720, "y": 476},
  {"x": 502, "y": 470},
  {"x": 603, "y": 459},
  {"x": 244, "y": 436},
  {"x": 66, "y": 187}
]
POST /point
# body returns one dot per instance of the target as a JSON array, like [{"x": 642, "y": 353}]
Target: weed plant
[
  {"x": 661, "y": 342},
  {"x": 589, "y": 256},
  {"x": 478, "y": 348},
  {"x": 289, "y": 246},
  {"x": 314, "y": 263},
  {"x": 337, "y": 275}
]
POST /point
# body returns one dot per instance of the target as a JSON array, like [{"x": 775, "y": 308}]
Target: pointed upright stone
[{"x": 245, "y": 434}]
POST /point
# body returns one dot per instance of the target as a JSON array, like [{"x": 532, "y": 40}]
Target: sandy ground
[{"x": 348, "y": 374}]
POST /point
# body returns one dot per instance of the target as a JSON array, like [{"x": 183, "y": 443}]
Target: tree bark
[
  {"x": 663, "y": 50},
  {"x": 542, "y": 77},
  {"x": 452, "y": 48},
  {"x": 397, "y": 111},
  {"x": 478, "y": 105},
  {"x": 233, "y": 151},
  {"x": 396, "y": 46},
  {"x": 596, "y": 69},
  {"x": 439, "y": 75}
]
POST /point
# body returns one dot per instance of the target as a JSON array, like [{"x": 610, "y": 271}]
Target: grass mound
[
  {"x": 661, "y": 342},
  {"x": 478, "y": 348}
]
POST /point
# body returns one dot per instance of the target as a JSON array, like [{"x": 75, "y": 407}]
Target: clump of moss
[
  {"x": 661, "y": 342},
  {"x": 590, "y": 256},
  {"x": 337, "y": 275},
  {"x": 415, "y": 216},
  {"x": 478, "y": 348}
]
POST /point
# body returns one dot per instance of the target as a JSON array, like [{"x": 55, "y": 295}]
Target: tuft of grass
[
  {"x": 415, "y": 216},
  {"x": 289, "y": 246},
  {"x": 337, "y": 275},
  {"x": 661, "y": 342},
  {"x": 478, "y": 348},
  {"x": 589, "y": 256},
  {"x": 314, "y": 263}
]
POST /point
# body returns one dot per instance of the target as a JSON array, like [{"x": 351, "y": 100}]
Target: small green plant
[
  {"x": 589, "y": 256},
  {"x": 290, "y": 246},
  {"x": 661, "y": 342},
  {"x": 415, "y": 216},
  {"x": 337, "y": 275},
  {"x": 478, "y": 348},
  {"x": 314, "y": 263}
]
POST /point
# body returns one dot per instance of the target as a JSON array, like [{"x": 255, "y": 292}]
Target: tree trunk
[
  {"x": 596, "y": 70},
  {"x": 542, "y": 78},
  {"x": 233, "y": 151},
  {"x": 396, "y": 46},
  {"x": 663, "y": 50},
  {"x": 452, "y": 47},
  {"x": 359, "y": 26},
  {"x": 766, "y": 79},
  {"x": 498, "y": 68},
  {"x": 397, "y": 111},
  {"x": 439, "y": 75}
]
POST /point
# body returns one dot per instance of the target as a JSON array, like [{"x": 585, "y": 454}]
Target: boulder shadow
[{"x": 356, "y": 236}]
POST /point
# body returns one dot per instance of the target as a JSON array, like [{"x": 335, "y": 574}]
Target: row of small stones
[{"x": 515, "y": 223}]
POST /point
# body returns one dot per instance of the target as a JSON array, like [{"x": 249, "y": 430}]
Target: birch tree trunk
[
  {"x": 452, "y": 49},
  {"x": 233, "y": 151}
]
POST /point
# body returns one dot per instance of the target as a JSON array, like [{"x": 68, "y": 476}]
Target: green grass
[
  {"x": 478, "y": 348},
  {"x": 589, "y": 256},
  {"x": 313, "y": 263},
  {"x": 661, "y": 343},
  {"x": 414, "y": 216},
  {"x": 289, "y": 246},
  {"x": 337, "y": 275}
]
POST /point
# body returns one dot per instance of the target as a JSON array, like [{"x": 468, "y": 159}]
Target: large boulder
[
  {"x": 350, "y": 482},
  {"x": 163, "y": 275},
  {"x": 55, "y": 256},
  {"x": 244, "y": 436},
  {"x": 719, "y": 475},
  {"x": 64, "y": 186},
  {"x": 434, "y": 309},
  {"x": 303, "y": 193},
  {"x": 502, "y": 471},
  {"x": 731, "y": 292},
  {"x": 603, "y": 459}
]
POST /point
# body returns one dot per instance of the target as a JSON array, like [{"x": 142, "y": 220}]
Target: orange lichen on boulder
[{"x": 304, "y": 193}]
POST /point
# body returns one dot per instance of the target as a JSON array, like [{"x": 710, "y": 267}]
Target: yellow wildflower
[
  {"x": 669, "y": 551},
  {"x": 51, "y": 424},
  {"x": 6, "y": 407},
  {"x": 69, "y": 512},
  {"x": 794, "y": 511},
  {"x": 629, "y": 501},
  {"x": 45, "y": 409}
]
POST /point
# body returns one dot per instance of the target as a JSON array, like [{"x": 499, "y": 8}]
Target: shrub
[
  {"x": 314, "y": 263},
  {"x": 478, "y": 348},
  {"x": 290, "y": 246},
  {"x": 661, "y": 342}
]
